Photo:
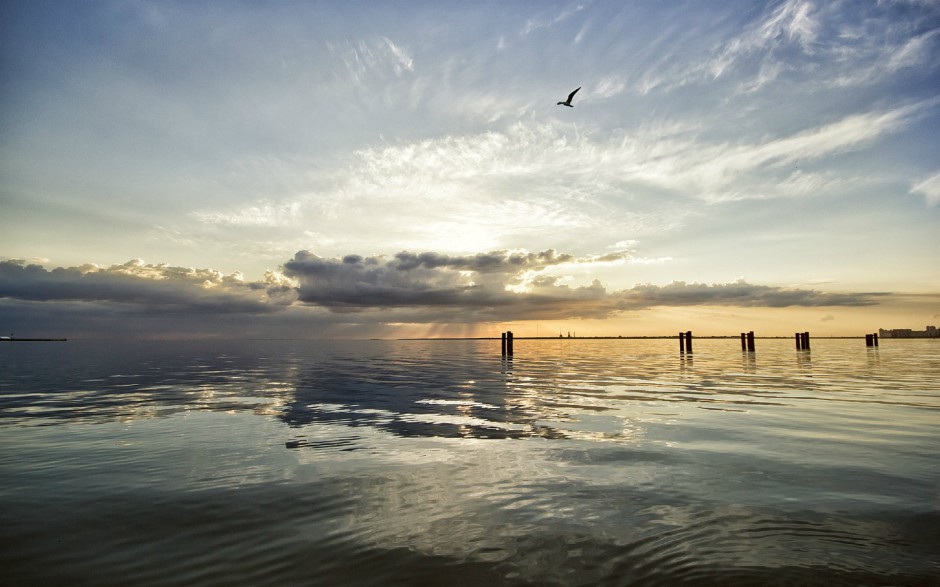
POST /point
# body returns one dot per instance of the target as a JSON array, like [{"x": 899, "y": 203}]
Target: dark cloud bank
[
  {"x": 407, "y": 287},
  {"x": 478, "y": 285}
]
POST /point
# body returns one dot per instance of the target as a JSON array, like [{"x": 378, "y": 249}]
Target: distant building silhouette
[{"x": 928, "y": 332}]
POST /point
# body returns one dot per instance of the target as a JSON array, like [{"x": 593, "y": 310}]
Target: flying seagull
[{"x": 568, "y": 101}]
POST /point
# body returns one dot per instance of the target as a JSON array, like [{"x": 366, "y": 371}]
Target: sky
[{"x": 375, "y": 169}]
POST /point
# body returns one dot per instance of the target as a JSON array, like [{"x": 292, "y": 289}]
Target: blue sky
[{"x": 771, "y": 164}]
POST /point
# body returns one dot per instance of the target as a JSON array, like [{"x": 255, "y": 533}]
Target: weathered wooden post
[
  {"x": 802, "y": 341},
  {"x": 509, "y": 342},
  {"x": 504, "y": 343},
  {"x": 869, "y": 341},
  {"x": 874, "y": 338},
  {"x": 750, "y": 341},
  {"x": 685, "y": 342},
  {"x": 743, "y": 342}
]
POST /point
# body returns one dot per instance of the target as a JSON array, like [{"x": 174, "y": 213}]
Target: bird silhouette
[{"x": 568, "y": 101}]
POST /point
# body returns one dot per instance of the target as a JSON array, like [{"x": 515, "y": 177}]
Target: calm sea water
[{"x": 587, "y": 462}]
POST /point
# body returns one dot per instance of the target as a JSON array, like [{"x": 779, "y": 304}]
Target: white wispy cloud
[
  {"x": 725, "y": 171},
  {"x": 870, "y": 57},
  {"x": 403, "y": 61},
  {"x": 552, "y": 157},
  {"x": 365, "y": 58},
  {"x": 791, "y": 23},
  {"x": 528, "y": 180},
  {"x": 754, "y": 48},
  {"x": 547, "y": 20},
  {"x": 824, "y": 44},
  {"x": 260, "y": 214},
  {"x": 607, "y": 87},
  {"x": 929, "y": 188}
]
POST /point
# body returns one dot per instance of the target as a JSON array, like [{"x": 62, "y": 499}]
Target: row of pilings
[{"x": 685, "y": 342}]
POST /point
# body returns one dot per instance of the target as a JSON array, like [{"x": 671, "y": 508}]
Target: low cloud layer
[
  {"x": 426, "y": 287},
  {"x": 148, "y": 288},
  {"x": 472, "y": 282},
  {"x": 739, "y": 293},
  {"x": 512, "y": 285}
]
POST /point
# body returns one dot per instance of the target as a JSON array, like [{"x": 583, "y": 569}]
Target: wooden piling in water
[
  {"x": 504, "y": 343},
  {"x": 743, "y": 342},
  {"x": 871, "y": 340},
  {"x": 509, "y": 342},
  {"x": 750, "y": 341},
  {"x": 685, "y": 342},
  {"x": 802, "y": 341}
]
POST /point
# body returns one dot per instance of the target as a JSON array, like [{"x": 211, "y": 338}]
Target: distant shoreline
[
  {"x": 665, "y": 337},
  {"x": 454, "y": 338}
]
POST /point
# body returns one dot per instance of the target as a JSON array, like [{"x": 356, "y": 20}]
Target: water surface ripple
[{"x": 575, "y": 462}]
